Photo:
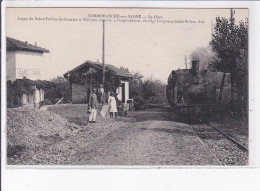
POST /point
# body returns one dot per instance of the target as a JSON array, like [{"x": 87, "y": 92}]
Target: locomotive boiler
[{"x": 193, "y": 91}]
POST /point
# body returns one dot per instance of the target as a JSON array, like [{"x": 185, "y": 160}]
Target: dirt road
[{"x": 143, "y": 138}]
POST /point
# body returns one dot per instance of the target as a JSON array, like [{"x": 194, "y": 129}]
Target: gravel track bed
[
  {"x": 142, "y": 138},
  {"x": 147, "y": 143},
  {"x": 29, "y": 130},
  {"x": 237, "y": 131},
  {"x": 129, "y": 142},
  {"x": 64, "y": 153},
  {"x": 225, "y": 150}
]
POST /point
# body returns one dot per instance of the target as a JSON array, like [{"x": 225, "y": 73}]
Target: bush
[
  {"x": 17, "y": 88},
  {"x": 149, "y": 91},
  {"x": 60, "y": 89},
  {"x": 138, "y": 103},
  {"x": 154, "y": 91},
  {"x": 13, "y": 95}
]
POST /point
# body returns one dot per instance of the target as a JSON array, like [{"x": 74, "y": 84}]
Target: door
[{"x": 123, "y": 92}]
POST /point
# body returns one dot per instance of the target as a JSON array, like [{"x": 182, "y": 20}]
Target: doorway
[{"x": 123, "y": 92}]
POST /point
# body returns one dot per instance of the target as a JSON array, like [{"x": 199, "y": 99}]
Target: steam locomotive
[{"x": 192, "y": 91}]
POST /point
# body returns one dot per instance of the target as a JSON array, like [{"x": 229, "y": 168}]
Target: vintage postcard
[{"x": 156, "y": 87}]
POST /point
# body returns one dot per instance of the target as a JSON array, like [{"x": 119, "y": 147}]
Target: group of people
[{"x": 98, "y": 96}]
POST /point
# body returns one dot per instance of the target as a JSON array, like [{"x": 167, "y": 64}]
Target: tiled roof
[
  {"x": 98, "y": 66},
  {"x": 13, "y": 44},
  {"x": 115, "y": 70}
]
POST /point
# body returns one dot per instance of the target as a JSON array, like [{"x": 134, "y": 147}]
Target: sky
[{"x": 152, "y": 48}]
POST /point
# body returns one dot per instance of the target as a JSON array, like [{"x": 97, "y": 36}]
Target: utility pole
[
  {"x": 232, "y": 15},
  {"x": 69, "y": 86},
  {"x": 103, "y": 54},
  {"x": 232, "y": 83}
]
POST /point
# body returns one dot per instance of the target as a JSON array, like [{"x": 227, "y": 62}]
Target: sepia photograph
[{"x": 131, "y": 87}]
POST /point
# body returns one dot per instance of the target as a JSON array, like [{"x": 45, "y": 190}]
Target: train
[{"x": 193, "y": 92}]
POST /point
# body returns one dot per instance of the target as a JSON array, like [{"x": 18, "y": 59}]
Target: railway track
[
  {"x": 210, "y": 151},
  {"x": 230, "y": 148},
  {"x": 240, "y": 145}
]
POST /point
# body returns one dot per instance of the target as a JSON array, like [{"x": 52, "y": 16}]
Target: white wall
[
  {"x": 126, "y": 91},
  {"x": 119, "y": 91},
  {"x": 32, "y": 65}
]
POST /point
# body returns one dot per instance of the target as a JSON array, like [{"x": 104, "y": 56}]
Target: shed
[{"x": 88, "y": 75}]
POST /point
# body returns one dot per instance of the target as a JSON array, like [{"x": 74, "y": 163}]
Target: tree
[
  {"x": 59, "y": 80},
  {"x": 135, "y": 85},
  {"x": 154, "y": 91},
  {"x": 149, "y": 90},
  {"x": 59, "y": 90},
  {"x": 230, "y": 46}
]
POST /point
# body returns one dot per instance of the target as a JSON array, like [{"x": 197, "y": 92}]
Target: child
[{"x": 112, "y": 104}]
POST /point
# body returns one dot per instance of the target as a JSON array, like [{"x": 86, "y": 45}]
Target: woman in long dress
[{"x": 112, "y": 104}]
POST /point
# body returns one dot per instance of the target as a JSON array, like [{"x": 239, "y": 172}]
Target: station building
[
  {"x": 26, "y": 64},
  {"x": 88, "y": 75}
]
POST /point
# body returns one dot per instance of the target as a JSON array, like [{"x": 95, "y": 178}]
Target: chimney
[
  {"x": 26, "y": 43},
  {"x": 35, "y": 43},
  {"x": 195, "y": 66},
  {"x": 97, "y": 61}
]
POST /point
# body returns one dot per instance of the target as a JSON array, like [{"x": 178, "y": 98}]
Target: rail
[{"x": 241, "y": 146}]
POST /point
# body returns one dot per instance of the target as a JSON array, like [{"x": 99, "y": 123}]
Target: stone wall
[{"x": 79, "y": 93}]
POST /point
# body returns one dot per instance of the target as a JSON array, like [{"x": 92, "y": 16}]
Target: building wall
[
  {"x": 79, "y": 93},
  {"x": 32, "y": 65},
  {"x": 126, "y": 91},
  {"x": 41, "y": 94},
  {"x": 10, "y": 65},
  {"x": 120, "y": 91},
  {"x": 25, "y": 99},
  {"x": 29, "y": 99}
]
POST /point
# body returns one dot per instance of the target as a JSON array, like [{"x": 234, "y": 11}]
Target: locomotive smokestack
[{"x": 195, "y": 66}]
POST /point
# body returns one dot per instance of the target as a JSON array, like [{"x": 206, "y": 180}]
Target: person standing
[
  {"x": 118, "y": 104},
  {"x": 93, "y": 104},
  {"x": 101, "y": 92},
  {"x": 112, "y": 104},
  {"x": 36, "y": 96}
]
